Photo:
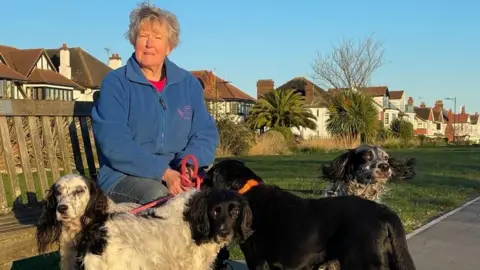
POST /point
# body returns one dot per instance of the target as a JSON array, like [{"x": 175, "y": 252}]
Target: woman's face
[{"x": 152, "y": 46}]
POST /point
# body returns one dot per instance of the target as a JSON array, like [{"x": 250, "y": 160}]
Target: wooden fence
[{"x": 41, "y": 140}]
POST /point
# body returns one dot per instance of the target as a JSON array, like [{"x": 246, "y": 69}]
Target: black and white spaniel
[
  {"x": 291, "y": 232},
  {"x": 185, "y": 233},
  {"x": 364, "y": 171}
]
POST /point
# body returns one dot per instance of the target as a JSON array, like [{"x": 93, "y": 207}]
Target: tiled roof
[
  {"x": 87, "y": 70},
  {"x": 474, "y": 119},
  {"x": 461, "y": 118},
  {"x": 23, "y": 62},
  {"x": 375, "y": 91},
  {"x": 396, "y": 94},
  {"x": 225, "y": 89},
  {"x": 9, "y": 73},
  {"x": 423, "y": 113},
  {"x": 319, "y": 96},
  {"x": 51, "y": 77}
]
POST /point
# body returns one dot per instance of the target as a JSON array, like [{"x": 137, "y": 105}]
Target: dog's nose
[
  {"x": 384, "y": 167},
  {"x": 62, "y": 209}
]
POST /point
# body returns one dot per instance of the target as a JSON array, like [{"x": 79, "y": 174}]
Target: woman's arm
[
  {"x": 203, "y": 138},
  {"x": 114, "y": 137}
]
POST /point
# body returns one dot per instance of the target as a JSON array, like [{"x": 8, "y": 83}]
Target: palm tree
[
  {"x": 352, "y": 114},
  {"x": 281, "y": 108}
]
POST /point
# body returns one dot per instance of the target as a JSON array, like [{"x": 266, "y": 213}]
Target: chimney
[
  {"x": 264, "y": 86},
  {"x": 115, "y": 61},
  {"x": 462, "y": 110},
  {"x": 439, "y": 104},
  {"x": 308, "y": 92},
  {"x": 410, "y": 101},
  {"x": 64, "y": 67},
  {"x": 422, "y": 105}
]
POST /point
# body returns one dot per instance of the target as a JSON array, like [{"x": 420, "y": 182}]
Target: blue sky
[{"x": 432, "y": 46}]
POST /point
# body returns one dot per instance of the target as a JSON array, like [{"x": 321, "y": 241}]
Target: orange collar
[{"x": 250, "y": 183}]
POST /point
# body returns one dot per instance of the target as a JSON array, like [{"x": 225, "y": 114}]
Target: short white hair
[{"x": 146, "y": 12}]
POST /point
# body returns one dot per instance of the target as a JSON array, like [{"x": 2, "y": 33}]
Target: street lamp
[{"x": 454, "y": 115}]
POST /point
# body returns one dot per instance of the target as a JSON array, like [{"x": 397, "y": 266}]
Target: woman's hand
[{"x": 173, "y": 180}]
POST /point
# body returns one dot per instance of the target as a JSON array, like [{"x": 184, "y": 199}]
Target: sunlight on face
[
  {"x": 151, "y": 45},
  {"x": 72, "y": 197}
]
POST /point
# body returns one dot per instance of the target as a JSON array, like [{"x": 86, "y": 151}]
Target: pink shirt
[{"x": 159, "y": 84}]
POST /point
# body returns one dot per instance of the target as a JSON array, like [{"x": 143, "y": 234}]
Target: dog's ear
[
  {"x": 402, "y": 170},
  {"x": 97, "y": 205},
  {"x": 48, "y": 228},
  {"x": 340, "y": 168},
  {"x": 196, "y": 214},
  {"x": 247, "y": 219}
]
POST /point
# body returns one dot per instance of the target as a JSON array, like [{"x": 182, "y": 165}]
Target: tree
[
  {"x": 402, "y": 129},
  {"x": 281, "y": 108},
  {"x": 352, "y": 115},
  {"x": 350, "y": 64}
]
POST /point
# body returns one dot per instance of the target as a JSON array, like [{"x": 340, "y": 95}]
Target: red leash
[{"x": 192, "y": 180}]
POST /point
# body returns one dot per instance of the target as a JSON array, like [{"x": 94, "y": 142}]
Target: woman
[{"x": 150, "y": 114}]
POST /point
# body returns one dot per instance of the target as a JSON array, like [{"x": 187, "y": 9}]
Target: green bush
[
  {"x": 235, "y": 138},
  {"x": 402, "y": 129}
]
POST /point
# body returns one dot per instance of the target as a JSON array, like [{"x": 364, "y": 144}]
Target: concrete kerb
[{"x": 442, "y": 217}]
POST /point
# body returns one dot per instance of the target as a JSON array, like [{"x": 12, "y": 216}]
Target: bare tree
[{"x": 350, "y": 64}]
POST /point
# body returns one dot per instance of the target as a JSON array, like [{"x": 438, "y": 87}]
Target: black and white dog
[
  {"x": 291, "y": 232},
  {"x": 185, "y": 233},
  {"x": 364, "y": 171}
]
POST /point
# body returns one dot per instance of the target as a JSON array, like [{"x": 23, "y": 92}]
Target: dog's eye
[
  {"x": 216, "y": 211},
  {"x": 79, "y": 191},
  {"x": 235, "y": 212},
  {"x": 367, "y": 156}
]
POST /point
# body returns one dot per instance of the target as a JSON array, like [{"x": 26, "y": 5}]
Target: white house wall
[{"x": 321, "y": 115}]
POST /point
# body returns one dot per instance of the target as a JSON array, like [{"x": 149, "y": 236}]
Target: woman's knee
[
  {"x": 138, "y": 190},
  {"x": 154, "y": 192}
]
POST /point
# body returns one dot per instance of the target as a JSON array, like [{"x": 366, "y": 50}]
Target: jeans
[{"x": 138, "y": 190}]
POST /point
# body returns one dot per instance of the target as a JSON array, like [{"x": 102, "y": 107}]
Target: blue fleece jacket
[{"x": 141, "y": 132}]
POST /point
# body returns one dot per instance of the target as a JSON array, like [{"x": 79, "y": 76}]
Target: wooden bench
[{"x": 41, "y": 140}]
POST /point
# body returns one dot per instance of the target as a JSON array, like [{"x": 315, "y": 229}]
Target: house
[
  {"x": 397, "y": 98},
  {"x": 29, "y": 73},
  {"x": 462, "y": 127},
  {"x": 475, "y": 127},
  {"x": 82, "y": 68},
  {"x": 423, "y": 120},
  {"x": 315, "y": 100},
  {"x": 222, "y": 97},
  {"x": 440, "y": 119}
]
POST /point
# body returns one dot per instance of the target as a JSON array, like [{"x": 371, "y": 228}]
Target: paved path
[{"x": 450, "y": 242}]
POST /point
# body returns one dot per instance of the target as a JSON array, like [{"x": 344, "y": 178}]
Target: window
[
  {"x": 3, "y": 88},
  {"x": 387, "y": 120},
  {"x": 394, "y": 116},
  {"x": 318, "y": 112},
  {"x": 439, "y": 126}
]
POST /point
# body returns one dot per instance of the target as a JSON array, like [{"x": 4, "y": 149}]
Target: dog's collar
[{"x": 250, "y": 183}]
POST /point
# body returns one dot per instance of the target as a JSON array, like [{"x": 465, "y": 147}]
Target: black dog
[{"x": 296, "y": 233}]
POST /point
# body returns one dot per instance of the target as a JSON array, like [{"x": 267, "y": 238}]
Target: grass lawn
[{"x": 446, "y": 178}]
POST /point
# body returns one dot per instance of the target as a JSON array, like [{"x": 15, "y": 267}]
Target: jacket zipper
[{"x": 164, "y": 117}]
